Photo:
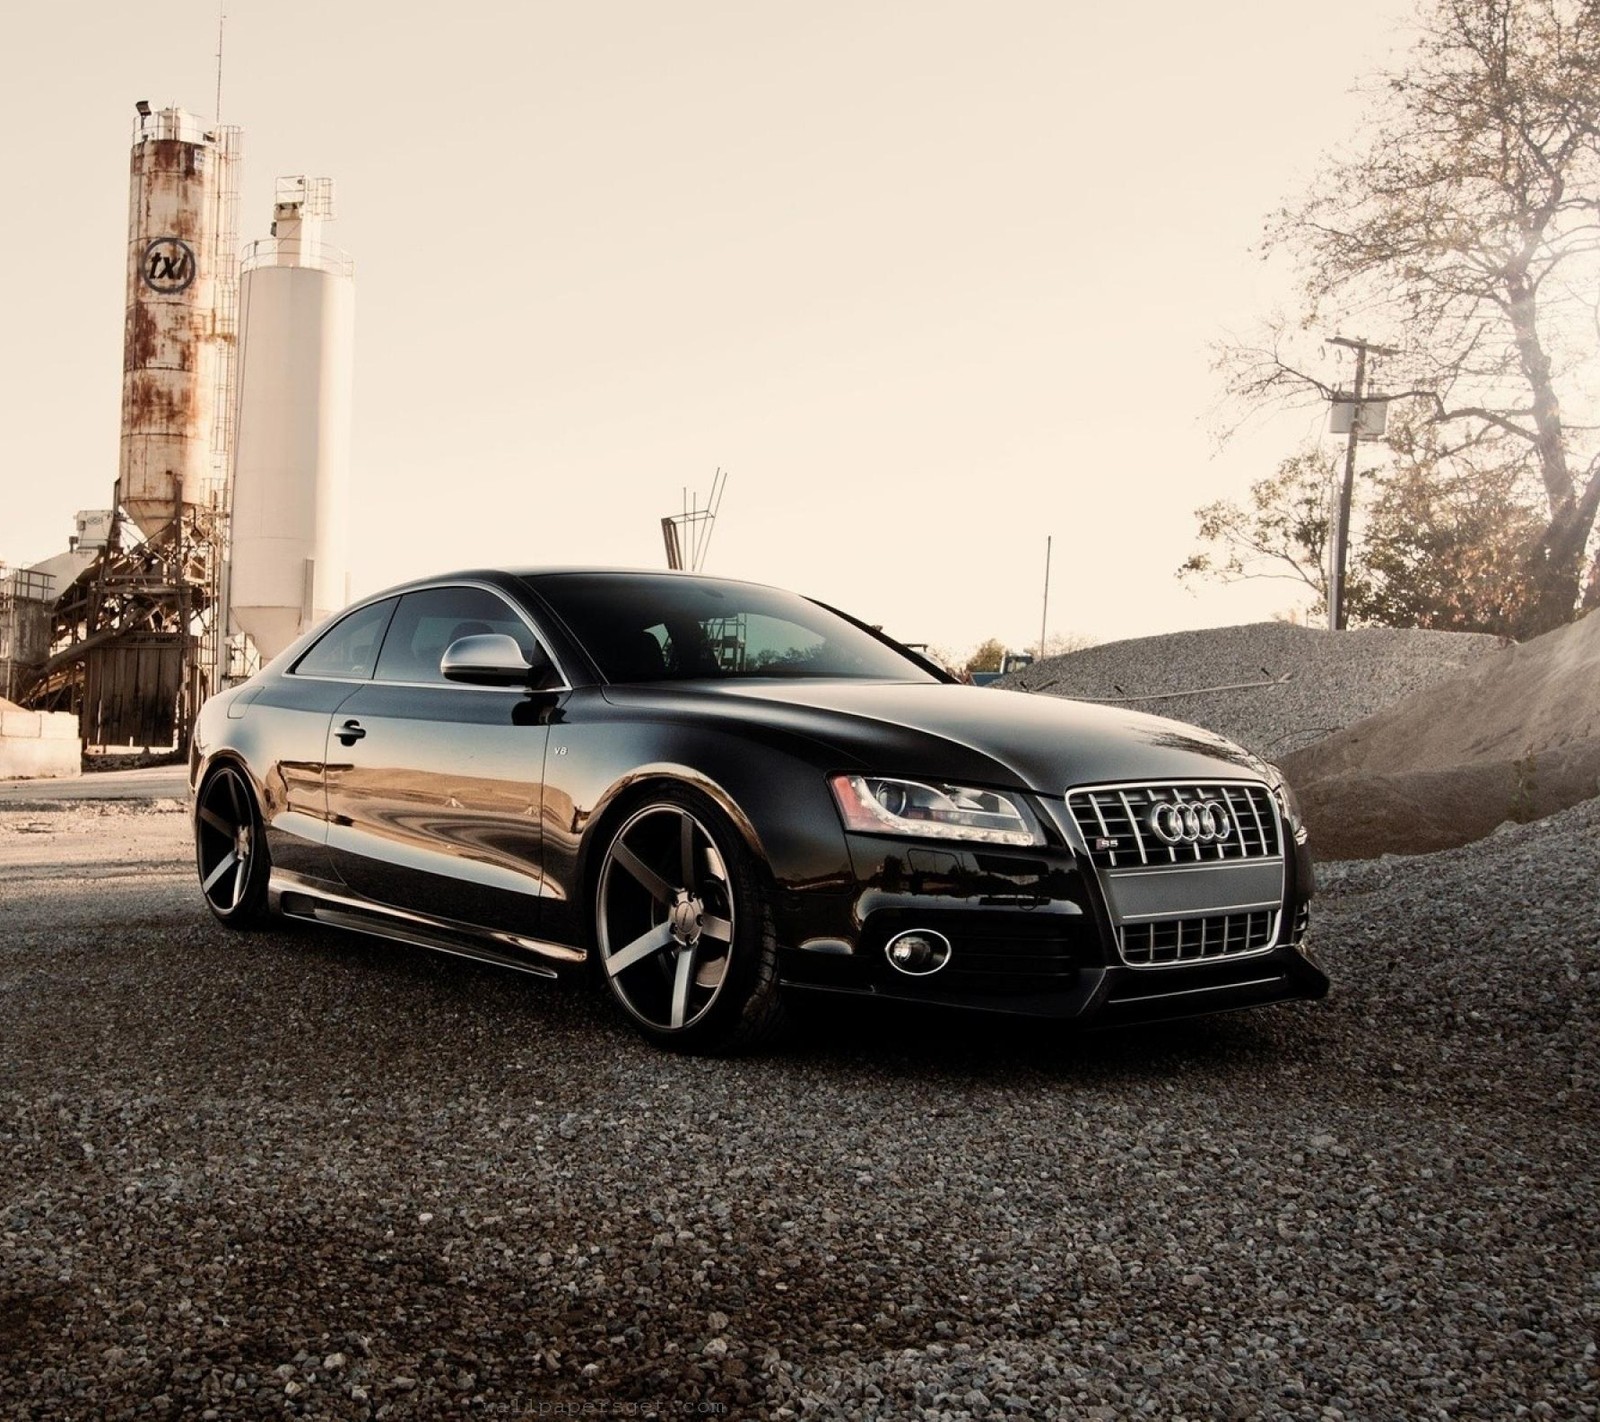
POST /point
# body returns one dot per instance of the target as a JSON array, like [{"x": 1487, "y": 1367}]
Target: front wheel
[
  {"x": 683, "y": 938},
  {"x": 230, "y": 850}
]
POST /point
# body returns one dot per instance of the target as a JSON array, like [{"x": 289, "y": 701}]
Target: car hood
[{"x": 1045, "y": 743}]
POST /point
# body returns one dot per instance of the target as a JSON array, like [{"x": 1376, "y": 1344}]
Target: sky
[{"x": 932, "y": 282}]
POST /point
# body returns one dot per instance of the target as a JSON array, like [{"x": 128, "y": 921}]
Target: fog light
[{"x": 918, "y": 952}]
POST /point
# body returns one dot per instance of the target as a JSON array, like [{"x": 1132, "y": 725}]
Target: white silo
[
  {"x": 291, "y": 471},
  {"x": 176, "y": 338}
]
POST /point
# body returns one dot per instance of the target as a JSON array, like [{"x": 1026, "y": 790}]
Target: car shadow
[
  {"x": 839, "y": 1038},
  {"x": 903, "y": 1039}
]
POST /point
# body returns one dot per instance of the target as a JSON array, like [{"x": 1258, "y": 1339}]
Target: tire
[
  {"x": 682, "y": 933},
  {"x": 230, "y": 849}
]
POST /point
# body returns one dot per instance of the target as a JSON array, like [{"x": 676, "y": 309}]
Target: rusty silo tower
[
  {"x": 136, "y": 637},
  {"x": 175, "y": 335}
]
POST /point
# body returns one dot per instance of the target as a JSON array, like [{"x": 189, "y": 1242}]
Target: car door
[
  {"x": 434, "y": 788},
  {"x": 288, "y": 718}
]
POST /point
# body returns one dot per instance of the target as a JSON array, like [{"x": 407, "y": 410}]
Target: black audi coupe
[{"x": 715, "y": 795}]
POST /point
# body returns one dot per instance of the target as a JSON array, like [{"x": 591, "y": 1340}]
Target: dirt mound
[
  {"x": 1360, "y": 815},
  {"x": 1517, "y": 702},
  {"x": 1514, "y": 737}
]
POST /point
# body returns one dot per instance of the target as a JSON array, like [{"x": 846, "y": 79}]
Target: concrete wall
[{"x": 38, "y": 744}]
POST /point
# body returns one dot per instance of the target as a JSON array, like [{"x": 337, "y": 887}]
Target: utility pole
[
  {"x": 1044, "y": 616},
  {"x": 1341, "y": 527}
]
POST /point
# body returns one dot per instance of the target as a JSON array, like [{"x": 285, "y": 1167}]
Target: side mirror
[{"x": 492, "y": 659}]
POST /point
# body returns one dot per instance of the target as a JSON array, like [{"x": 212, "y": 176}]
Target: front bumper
[{"x": 1031, "y": 933}]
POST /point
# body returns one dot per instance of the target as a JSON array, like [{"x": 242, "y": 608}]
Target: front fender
[{"x": 598, "y": 763}]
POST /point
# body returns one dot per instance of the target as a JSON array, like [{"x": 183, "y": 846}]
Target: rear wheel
[
  {"x": 683, "y": 938},
  {"x": 230, "y": 850}
]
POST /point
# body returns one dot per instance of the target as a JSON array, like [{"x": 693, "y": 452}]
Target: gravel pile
[
  {"x": 1319, "y": 681},
  {"x": 302, "y": 1174}
]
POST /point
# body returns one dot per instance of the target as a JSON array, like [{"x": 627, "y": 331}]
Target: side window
[
  {"x": 350, "y": 647},
  {"x": 429, "y": 621}
]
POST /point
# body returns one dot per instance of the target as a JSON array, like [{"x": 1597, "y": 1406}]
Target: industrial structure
[
  {"x": 231, "y": 439},
  {"x": 26, "y": 600},
  {"x": 292, "y": 455},
  {"x": 135, "y": 632},
  {"x": 687, "y": 535}
]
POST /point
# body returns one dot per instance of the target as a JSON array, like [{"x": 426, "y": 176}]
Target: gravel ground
[
  {"x": 306, "y": 1174},
  {"x": 1333, "y": 679}
]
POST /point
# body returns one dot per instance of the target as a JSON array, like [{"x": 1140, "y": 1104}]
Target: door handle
[{"x": 350, "y": 733}]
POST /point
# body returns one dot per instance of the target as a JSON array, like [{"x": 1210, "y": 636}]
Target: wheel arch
[
  {"x": 638, "y": 785},
  {"x": 223, "y": 756}
]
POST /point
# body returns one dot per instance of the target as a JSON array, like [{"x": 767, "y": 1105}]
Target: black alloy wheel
[
  {"x": 230, "y": 849},
  {"x": 682, "y": 937}
]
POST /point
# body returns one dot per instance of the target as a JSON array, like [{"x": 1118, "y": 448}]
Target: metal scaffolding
[{"x": 132, "y": 638}]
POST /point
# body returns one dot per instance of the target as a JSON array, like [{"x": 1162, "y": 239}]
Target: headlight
[{"x": 873, "y": 804}]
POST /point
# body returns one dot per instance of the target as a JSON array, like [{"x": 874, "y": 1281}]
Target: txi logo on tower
[{"x": 168, "y": 266}]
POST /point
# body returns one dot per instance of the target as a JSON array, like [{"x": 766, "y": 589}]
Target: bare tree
[
  {"x": 1281, "y": 531},
  {"x": 1443, "y": 541},
  {"x": 1436, "y": 544},
  {"x": 1464, "y": 229}
]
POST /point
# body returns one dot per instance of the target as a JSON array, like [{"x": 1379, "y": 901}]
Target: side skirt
[{"x": 309, "y": 901}]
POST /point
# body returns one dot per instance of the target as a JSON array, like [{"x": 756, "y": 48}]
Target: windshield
[{"x": 668, "y": 627}]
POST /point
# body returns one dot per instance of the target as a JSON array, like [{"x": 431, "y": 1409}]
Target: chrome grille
[
  {"x": 1120, "y": 814},
  {"x": 1197, "y": 940}
]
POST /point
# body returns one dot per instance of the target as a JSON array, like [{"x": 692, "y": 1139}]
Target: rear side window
[
  {"x": 430, "y": 620},
  {"x": 349, "y": 649}
]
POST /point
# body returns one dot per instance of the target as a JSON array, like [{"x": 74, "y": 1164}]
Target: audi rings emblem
[{"x": 1191, "y": 822}]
